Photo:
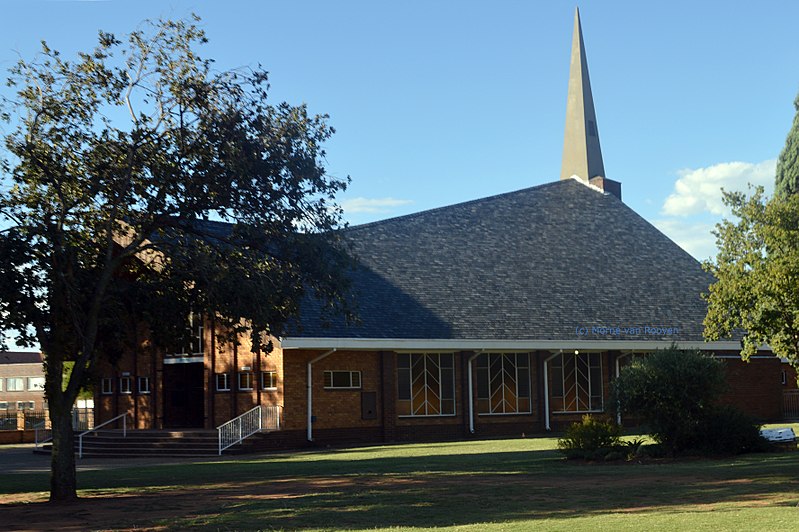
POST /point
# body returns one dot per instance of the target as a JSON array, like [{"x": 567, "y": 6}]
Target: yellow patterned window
[
  {"x": 576, "y": 382},
  {"x": 503, "y": 383},
  {"x": 425, "y": 384}
]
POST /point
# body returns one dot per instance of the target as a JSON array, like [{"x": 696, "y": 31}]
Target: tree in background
[
  {"x": 787, "y": 178},
  {"x": 114, "y": 164},
  {"x": 757, "y": 275}
]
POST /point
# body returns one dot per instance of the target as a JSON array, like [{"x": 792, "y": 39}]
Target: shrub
[
  {"x": 727, "y": 430},
  {"x": 592, "y": 438},
  {"x": 672, "y": 390}
]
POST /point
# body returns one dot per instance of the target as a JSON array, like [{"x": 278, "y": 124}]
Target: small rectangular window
[
  {"x": 26, "y": 405},
  {"x": 3, "y": 405},
  {"x": 107, "y": 386},
  {"x": 125, "y": 385},
  {"x": 245, "y": 380},
  {"x": 222, "y": 382},
  {"x": 342, "y": 380},
  {"x": 15, "y": 384},
  {"x": 144, "y": 385},
  {"x": 269, "y": 380},
  {"x": 35, "y": 384}
]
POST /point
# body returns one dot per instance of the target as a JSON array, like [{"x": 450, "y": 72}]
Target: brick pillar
[
  {"x": 463, "y": 356},
  {"x": 388, "y": 395}
]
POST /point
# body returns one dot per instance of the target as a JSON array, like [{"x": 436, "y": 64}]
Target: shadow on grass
[{"x": 332, "y": 490}]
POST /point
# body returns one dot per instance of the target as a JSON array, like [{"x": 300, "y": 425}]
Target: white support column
[
  {"x": 310, "y": 390},
  {"x": 471, "y": 389}
]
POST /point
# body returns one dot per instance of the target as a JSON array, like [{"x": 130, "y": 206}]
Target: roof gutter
[{"x": 427, "y": 344}]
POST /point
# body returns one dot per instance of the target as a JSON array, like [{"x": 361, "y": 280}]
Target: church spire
[{"x": 582, "y": 155}]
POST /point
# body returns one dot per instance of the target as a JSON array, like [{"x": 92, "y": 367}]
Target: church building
[{"x": 504, "y": 315}]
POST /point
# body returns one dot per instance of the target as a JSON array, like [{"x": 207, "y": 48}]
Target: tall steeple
[{"x": 582, "y": 155}]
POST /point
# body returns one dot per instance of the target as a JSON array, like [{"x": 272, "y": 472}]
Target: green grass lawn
[{"x": 516, "y": 484}]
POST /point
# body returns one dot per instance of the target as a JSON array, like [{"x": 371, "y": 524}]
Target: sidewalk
[{"x": 19, "y": 459}]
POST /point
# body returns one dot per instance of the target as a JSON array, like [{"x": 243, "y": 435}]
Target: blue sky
[{"x": 438, "y": 102}]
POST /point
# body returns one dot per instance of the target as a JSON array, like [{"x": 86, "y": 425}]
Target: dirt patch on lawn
[{"x": 158, "y": 509}]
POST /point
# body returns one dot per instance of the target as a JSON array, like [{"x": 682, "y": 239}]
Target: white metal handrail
[
  {"x": 46, "y": 434},
  {"x": 238, "y": 428},
  {"x": 101, "y": 425},
  {"x": 271, "y": 418}
]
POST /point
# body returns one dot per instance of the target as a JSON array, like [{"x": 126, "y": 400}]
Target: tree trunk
[{"x": 63, "y": 479}]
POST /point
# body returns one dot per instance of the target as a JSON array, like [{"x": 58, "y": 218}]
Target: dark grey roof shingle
[
  {"x": 20, "y": 357},
  {"x": 533, "y": 264}
]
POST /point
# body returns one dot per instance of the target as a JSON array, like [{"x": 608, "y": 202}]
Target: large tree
[
  {"x": 120, "y": 167},
  {"x": 787, "y": 178},
  {"x": 756, "y": 292}
]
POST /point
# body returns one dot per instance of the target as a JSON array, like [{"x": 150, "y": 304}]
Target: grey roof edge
[
  {"x": 434, "y": 210},
  {"x": 21, "y": 357},
  {"x": 424, "y": 344}
]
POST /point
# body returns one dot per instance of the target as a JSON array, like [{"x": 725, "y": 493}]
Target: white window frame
[
  {"x": 506, "y": 383},
  {"x": 251, "y": 379},
  {"x": 126, "y": 385},
  {"x": 3, "y": 405},
  {"x": 107, "y": 386},
  {"x": 353, "y": 377},
  {"x": 226, "y": 382},
  {"x": 35, "y": 384},
  {"x": 426, "y": 410},
  {"x": 272, "y": 379},
  {"x": 197, "y": 346},
  {"x": 15, "y": 388},
  {"x": 144, "y": 385}
]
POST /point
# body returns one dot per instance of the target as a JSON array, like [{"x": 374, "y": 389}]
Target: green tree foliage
[
  {"x": 672, "y": 391},
  {"x": 114, "y": 163},
  {"x": 787, "y": 178},
  {"x": 756, "y": 293}
]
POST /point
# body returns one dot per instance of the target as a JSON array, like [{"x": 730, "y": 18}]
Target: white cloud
[
  {"x": 372, "y": 205},
  {"x": 699, "y": 190},
  {"x": 693, "y": 237}
]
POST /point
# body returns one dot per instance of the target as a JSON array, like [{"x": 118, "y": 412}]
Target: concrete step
[{"x": 146, "y": 443}]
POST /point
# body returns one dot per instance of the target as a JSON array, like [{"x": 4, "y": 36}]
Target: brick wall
[
  {"x": 23, "y": 371},
  {"x": 332, "y": 409},
  {"x": 147, "y": 410},
  {"x": 755, "y": 387}
]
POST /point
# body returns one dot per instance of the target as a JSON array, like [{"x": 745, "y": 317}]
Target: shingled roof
[
  {"x": 20, "y": 357},
  {"x": 552, "y": 262}
]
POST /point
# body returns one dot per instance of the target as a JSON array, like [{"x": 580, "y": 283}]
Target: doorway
[{"x": 183, "y": 395}]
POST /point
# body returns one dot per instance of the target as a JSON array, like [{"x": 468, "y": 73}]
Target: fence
[
  {"x": 790, "y": 404},
  {"x": 82, "y": 419}
]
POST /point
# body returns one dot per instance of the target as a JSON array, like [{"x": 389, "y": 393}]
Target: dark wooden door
[{"x": 183, "y": 395}]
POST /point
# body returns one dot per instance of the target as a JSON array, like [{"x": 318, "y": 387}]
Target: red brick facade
[{"x": 369, "y": 411}]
